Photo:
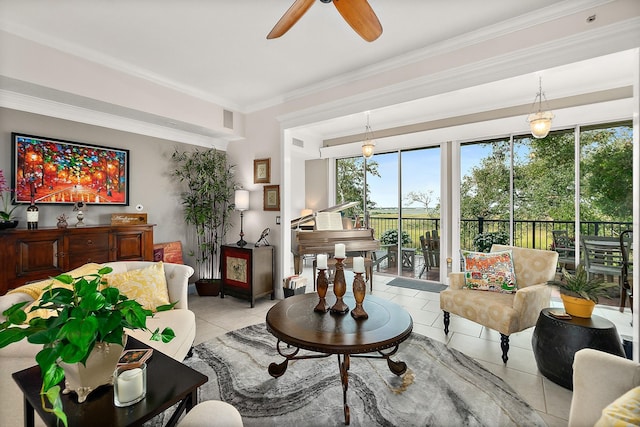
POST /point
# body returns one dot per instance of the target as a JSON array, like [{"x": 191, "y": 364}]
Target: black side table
[{"x": 556, "y": 341}]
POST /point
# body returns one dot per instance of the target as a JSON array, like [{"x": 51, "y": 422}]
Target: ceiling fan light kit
[{"x": 358, "y": 14}]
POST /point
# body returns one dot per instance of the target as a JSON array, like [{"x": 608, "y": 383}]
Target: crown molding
[
  {"x": 472, "y": 38},
  {"x": 32, "y": 104},
  {"x": 535, "y": 59},
  {"x": 73, "y": 49}
]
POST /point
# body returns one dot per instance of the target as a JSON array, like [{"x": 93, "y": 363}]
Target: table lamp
[{"x": 242, "y": 204}]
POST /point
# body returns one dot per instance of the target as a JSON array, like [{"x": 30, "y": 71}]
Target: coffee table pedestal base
[{"x": 344, "y": 360}]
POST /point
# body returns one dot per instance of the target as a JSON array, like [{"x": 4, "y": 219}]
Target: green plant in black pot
[
  {"x": 208, "y": 201},
  {"x": 483, "y": 241},
  {"x": 81, "y": 314}
]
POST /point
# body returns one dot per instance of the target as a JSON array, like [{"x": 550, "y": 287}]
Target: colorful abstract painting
[{"x": 64, "y": 172}]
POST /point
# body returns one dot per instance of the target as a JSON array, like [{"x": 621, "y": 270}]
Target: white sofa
[
  {"x": 599, "y": 379},
  {"x": 21, "y": 355}
]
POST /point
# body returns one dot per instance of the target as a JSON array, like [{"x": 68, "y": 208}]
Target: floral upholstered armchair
[{"x": 504, "y": 312}]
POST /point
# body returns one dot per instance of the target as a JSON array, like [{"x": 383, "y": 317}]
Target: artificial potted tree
[
  {"x": 78, "y": 321},
  {"x": 579, "y": 292},
  {"x": 208, "y": 205}
]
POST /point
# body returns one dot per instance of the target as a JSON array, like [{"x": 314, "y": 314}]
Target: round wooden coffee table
[{"x": 293, "y": 322}]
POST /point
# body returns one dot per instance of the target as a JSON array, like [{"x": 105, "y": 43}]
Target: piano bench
[{"x": 348, "y": 262}]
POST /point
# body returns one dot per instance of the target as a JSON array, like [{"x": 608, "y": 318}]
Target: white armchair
[
  {"x": 599, "y": 379},
  {"x": 503, "y": 312}
]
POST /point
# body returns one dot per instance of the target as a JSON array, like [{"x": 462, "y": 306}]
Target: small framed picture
[
  {"x": 271, "y": 198},
  {"x": 135, "y": 357},
  {"x": 262, "y": 171}
]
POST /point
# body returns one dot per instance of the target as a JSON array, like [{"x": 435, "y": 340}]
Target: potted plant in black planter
[
  {"x": 208, "y": 205},
  {"x": 82, "y": 332}
]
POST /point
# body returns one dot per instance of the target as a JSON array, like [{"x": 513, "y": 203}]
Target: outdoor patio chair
[
  {"x": 565, "y": 247},
  {"x": 425, "y": 255},
  {"x": 626, "y": 238},
  {"x": 603, "y": 256}
]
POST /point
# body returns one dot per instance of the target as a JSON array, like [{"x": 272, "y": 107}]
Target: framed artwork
[
  {"x": 66, "y": 172},
  {"x": 271, "y": 198},
  {"x": 236, "y": 267},
  {"x": 262, "y": 171}
]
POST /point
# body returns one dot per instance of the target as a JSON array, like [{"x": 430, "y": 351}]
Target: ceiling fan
[{"x": 357, "y": 13}]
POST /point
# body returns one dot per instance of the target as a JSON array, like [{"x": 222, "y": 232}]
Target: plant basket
[
  {"x": 578, "y": 307},
  {"x": 208, "y": 287}
]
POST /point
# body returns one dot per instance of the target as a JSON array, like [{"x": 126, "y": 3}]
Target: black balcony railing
[{"x": 527, "y": 233}]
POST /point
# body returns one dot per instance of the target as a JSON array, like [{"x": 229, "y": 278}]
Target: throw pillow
[
  {"x": 36, "y": 289},
  {"x": 147, "y": 285},
  {"x": 624, "y": 411},
  {"x": 491, "y": 271}
]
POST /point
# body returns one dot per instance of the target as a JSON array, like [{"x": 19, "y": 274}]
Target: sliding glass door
[{"x": 402, "y": 205}]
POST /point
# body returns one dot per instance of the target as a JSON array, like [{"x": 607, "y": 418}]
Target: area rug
[
  {"x": 442, "y": 387},
  {"x": 420, "y": 285}
]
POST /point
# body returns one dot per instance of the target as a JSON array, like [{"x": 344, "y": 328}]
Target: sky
[{"x": 420, "y": 173}]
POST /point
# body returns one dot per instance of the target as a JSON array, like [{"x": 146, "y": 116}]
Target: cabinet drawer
[
  {"x": 82, "y": 258},
  {"x": 88, "y": 242}
]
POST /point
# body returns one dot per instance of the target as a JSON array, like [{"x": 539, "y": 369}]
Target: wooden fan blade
[
  {"x": 290, "y": 17},
  {"x": 361, "y": 17}
]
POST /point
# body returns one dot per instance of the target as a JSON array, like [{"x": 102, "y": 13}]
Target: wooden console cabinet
[
  {"x": 27, "y": 255},
  {"x": 247, "y": 272}
]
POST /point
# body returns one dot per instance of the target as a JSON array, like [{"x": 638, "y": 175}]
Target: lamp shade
[
  {"x": 540, "y": 123},
  {"x": 306, "y": 212},
  {"x": 242, "y": 200},
  {"x": 367, "y": 148}
]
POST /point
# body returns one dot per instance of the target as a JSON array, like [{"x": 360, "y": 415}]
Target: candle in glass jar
[
  {"x": 358, "y": 264},
  {"x": 339, "y": 251},
  {"x": 322, "y": 261},
  {"x": 130, "y": 385}
]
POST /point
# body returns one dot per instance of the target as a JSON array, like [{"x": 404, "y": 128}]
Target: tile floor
[{"x": 216, "y": 316}]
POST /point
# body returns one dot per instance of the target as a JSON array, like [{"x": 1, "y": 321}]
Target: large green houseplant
[
  {"x": 87, "y": 312},
  {"x": 580, "y": 292},
  {"x": 207, "y": 197}
]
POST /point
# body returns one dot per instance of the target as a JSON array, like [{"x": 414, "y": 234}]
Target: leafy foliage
[
  {"x": 350, "y": 183},
  {"x": 425, "y": 199},
  {"x": 208, "y": 203},
  {"x": 580, "y": 285},
  {"x": 390, "y": 237},
  {"x": 484, "y": 241},
  {"x": 86, "y": 314},
  {"x": 544, "y": 177},
  {"x": 607, "y": 178}
]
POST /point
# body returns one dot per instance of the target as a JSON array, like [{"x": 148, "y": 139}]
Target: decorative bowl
[{"x": 8, "y": 224}]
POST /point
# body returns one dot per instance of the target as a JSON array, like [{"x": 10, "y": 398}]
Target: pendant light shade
[
  {"x": 369, "y": 144},
  {"x": 540, "y": 121}
]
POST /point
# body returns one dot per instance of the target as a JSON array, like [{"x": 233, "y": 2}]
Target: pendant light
[
  {"x": 368, "y": 144},
  {"x": 540, "y": 121}
]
